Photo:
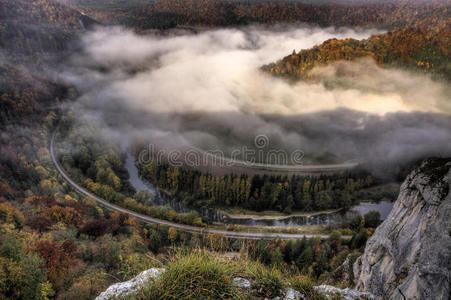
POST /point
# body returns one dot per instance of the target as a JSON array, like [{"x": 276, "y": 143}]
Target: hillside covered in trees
[
  {"x": 424, "y": 48},
  {"x": 28, "y": 28},
  {"x": 31, "y": 32}
]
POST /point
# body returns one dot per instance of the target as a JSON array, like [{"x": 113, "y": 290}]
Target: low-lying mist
[{"x": 207, "y": 90}]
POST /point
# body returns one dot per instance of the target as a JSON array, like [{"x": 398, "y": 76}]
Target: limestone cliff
[{"x": 409, "y": 255}]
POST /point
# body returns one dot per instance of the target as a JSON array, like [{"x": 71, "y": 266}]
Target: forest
[
  {"x": 29, "y": 29},
  {"x": 267, "y": 192},
  {"x": 423, "y": 49},
  {"x": 143, "y": 15}
]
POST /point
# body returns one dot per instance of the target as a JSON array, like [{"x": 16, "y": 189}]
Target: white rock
[
  {"x": 242, "y": 282},
  {"x": 130, "y": 287},
  {"x": 291, "y": 294},
  {"x": 347, "y": 294}
]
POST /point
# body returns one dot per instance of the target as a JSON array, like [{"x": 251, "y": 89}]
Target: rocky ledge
[
  {"x": 131, "y": 287},
  {"x": 127, "y": 289},
  {"x": 409, "y": 255}
]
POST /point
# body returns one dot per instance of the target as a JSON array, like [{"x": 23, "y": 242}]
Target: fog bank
[{"x": 206, "y": 90}]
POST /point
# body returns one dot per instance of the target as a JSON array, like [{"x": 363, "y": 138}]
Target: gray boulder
[
  {"x": 332, "y": 292},
  {"x": 290, "y": 294},
  {"x": 242, "y": 283}
]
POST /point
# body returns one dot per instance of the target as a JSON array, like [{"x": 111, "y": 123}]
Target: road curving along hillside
[{"x": 180, "y": 227}]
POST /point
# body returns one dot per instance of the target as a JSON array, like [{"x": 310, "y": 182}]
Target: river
[{"x": 212, "y": 215}]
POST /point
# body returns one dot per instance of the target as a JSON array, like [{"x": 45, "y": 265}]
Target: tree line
[
  {"x": 267, "y": 192},
  {"x": 172, "y": 13}
]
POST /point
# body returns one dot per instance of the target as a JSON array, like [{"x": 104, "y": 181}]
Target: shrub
[
  {"x": 94, "y": 228},
  {"x": 39, "y": 223},
  {"x": 12, "y": 215},
  {"x": 304, "y": 285},
  {"x": 21, "y": 279},
  {"x": 356, "y": 223},
  {"x": 359, "y": 240},
  {"x": 372, "y": 219},
  {"x": 58, "y": 259},
  {"x": 196, "y": 275},
  {"x": 267, "y": 283}
]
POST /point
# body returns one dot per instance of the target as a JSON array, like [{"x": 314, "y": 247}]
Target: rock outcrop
[
  {"x": 128, "y": 289},
  {"x": 345, "y": 272},
  {"x": 131, "y": 287},
  {"x": 331, "y": 292},
  {"x": 409, "y": 255}
]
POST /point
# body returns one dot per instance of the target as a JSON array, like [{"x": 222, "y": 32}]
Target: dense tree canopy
[
  {"x": 306, "y": 193},
  {"x": 424, "y": 48}
]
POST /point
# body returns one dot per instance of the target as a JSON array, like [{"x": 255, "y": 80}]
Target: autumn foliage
[
  {"x": 424, "y": 48},
  {"x": 58, "y": 258},
  {"x": 12, "y": 215}
]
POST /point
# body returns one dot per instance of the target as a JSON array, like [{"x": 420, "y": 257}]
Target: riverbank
[
  {"x": 241, "y": 213},
  {"x": 311, "y": 230}
]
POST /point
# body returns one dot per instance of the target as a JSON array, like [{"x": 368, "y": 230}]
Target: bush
[
  {"x": 94, "y": 228},
  {"x": 304, "y": 285},
  {"x": 39, "y": 223},
  {"x": 268, "y": 283},
  {"x": 372, "y": 219},
  {"x": 12, "y": 215},
  {"x": 21, "y": 279},
  {"x": 359, "y": 240},
  {"x": 196, "y": 275},
  {"x": 356, "y": 223}
]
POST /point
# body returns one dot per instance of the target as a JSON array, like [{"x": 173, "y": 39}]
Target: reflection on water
[
  {"x": 143, "y": 185},
  {"x": 134, "y": 179},
  {"x": 212, "y": 215},
  {"x": 319, "y": 219},
  {"x": 383, "y": 207}
]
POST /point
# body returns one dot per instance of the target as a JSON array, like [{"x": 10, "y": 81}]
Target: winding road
[{"x": 180, "y": 227}]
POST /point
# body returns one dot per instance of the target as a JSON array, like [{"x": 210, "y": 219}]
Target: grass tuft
[
  {"x": 195, "y": 275},
  {"x": 266, "y": 282},
  {"x": 304, "y": 285}
]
